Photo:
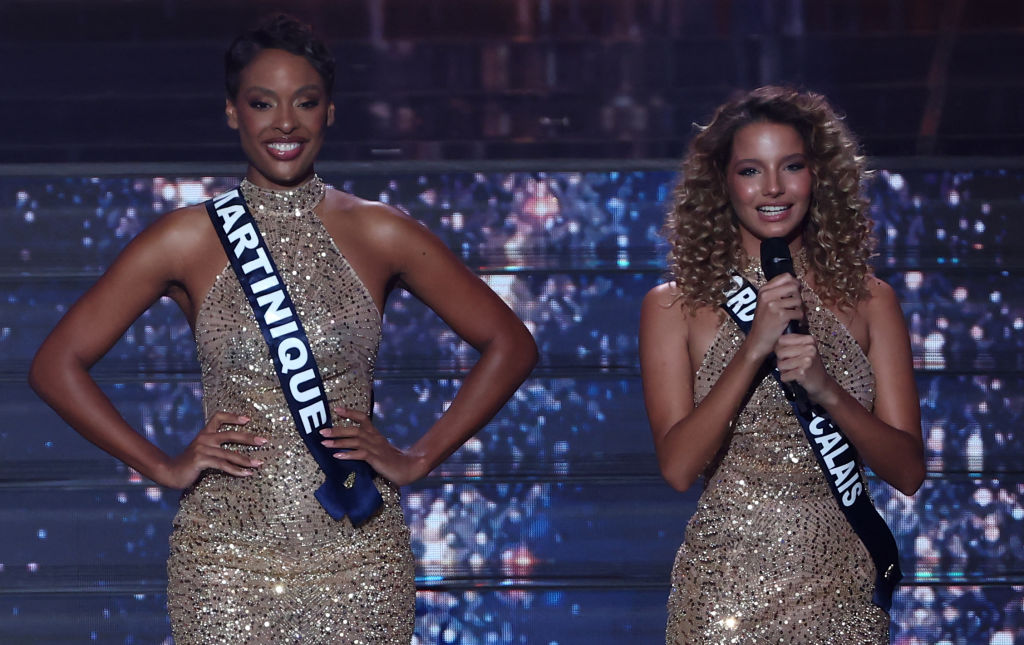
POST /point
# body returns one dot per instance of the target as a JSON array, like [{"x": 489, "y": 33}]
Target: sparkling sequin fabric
[
  {"x": 256, "y": 559},
  {"x": 768, "y": 556}
]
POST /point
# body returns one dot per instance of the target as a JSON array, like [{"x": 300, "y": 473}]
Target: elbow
[
  {"x": 910, "y": 488},
  {"x": 37, "y": 374},
  {"x": 514, "y": 350},
  {"x": 521, "y": 354},
  {"x": 531, "y": 355},
  {"x": 913, "y": 476},
  {"x": 912, "y": 480},
  {"x": 48, "y": 371},
  {"x": 677, "y": 476},
  {"x": 679, "y": 468},
  {"x": 679, "y": 482}
]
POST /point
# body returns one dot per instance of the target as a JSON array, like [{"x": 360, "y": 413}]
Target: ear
[
  {"x": 232, "y": 113},
  {"x": 330, "y": 114}
]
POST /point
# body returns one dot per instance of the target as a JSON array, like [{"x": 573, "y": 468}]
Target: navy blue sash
[
  {"x": 837, "y": 458},
  {"x": 348, "y": 488}
]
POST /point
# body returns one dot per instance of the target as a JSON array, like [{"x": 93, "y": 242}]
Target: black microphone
[{"x": 776, "y": 260}]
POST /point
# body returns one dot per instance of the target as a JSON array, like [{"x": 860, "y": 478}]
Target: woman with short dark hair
[{"x": 290, "y": 527}]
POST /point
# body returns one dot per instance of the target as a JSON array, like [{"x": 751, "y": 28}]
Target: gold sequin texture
[
  {"x": 256, "y": 559},
  {"x": 768, "y": 556}
]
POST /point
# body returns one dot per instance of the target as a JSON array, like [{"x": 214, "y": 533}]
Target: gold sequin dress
[
  {"x": 768, "y": 556},
  {"x": 256, "y": 559}
]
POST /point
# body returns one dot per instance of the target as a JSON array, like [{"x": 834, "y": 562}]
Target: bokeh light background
[{"x": 552, "y": 525}]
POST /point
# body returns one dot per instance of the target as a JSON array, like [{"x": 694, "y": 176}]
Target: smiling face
[
  {"x": 281, "y": 113},
  {"x": 769, "y": 183}
]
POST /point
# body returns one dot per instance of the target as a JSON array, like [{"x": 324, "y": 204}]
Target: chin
[
  {"x": 786, "y": 228},
  {"x": 286, "y": 179}
]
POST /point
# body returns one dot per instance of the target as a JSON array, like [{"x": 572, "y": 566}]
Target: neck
[
  {"x": 258, "y": 179},
  {"x": 752, "y": 245}
]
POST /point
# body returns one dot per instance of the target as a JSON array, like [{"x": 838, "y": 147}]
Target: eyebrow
[
  {"x": 792, "y": 157},
  {"x": 304, "y": 88}
]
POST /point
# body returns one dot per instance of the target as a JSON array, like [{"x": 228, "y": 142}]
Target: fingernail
[
  {"x": 255, "y": 462},
  {"x": 243, "y": 419},
  {"x": 261, "y": 440},
  {"x": 323, "y": 433}
]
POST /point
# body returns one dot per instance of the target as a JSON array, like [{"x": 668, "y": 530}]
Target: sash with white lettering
[
  {"x": 348, "y": 488},
  {"x": 837, "y": 458}
]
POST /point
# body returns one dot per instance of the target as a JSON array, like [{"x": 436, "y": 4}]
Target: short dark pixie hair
[{"x": 278, "y": 31}]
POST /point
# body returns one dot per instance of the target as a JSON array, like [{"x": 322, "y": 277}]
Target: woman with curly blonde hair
[{"x": 770, "y": 555}]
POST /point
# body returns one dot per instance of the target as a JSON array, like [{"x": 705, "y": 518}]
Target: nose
[
  {"x": 772, "y": 185},
  {"x": 285, "y": 121}
]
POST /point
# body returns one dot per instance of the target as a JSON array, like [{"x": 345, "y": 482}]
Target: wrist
[
  {"x": 830, "y": 394},
  {"x": 751, "y": 355},
  {"x": 419, "y": 466},
  {"x": 162, "y": 473}
]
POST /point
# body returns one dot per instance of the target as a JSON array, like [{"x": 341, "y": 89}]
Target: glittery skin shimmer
[
  {"x": 768, "y": 555},
  {"x": 257, "y": 559}
]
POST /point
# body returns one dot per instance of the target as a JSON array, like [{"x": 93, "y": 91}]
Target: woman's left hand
[
  {"x": 798, "y": 361},
  {"x": 362, "y": 441}
]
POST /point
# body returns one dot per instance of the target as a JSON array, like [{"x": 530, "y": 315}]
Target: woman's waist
[
  {"x": 271, "y": 418},
  {"x": 264, "y": 398},
  {"x": 307, "y": 541},
  {"x": 275, "y": 504},
  {"x": 766, "y": 460},
  {"x": 772, "y": 445}
]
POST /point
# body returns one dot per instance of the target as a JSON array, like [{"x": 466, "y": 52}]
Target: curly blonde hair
[{"x": 837, "y": 232}]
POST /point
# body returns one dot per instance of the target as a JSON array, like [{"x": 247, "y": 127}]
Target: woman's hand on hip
[
  {"x": 360, "y": 440},
  {"x": 207, "y": 451}
]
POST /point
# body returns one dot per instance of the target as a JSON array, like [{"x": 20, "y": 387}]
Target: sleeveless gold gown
[
  {"x": 768, "y": 556},
  {"x": 256, "y": 559}
]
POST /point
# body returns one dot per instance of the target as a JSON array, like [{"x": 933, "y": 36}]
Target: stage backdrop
[{"x": 552, "y": 525}]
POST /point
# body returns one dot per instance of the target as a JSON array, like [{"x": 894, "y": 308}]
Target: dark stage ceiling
[{"x": 126, "y": 81}]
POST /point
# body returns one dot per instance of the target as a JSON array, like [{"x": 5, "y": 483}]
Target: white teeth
[
  {"x": 772, "y": 209},
  {"x": 283, "y": 147}
]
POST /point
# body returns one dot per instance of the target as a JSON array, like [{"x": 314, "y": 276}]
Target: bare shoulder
[
  {"x": 188, "y": 221},
  {"x": 663, "y": 311},
  {"x": 666, "y": 315},
  {"x": 882, "y": 314},
  {"x": 663, "y": 300},
  {"x": 666, "y": 300},
  {"x": 879, "y": 287},
  {"x": 371, "y": 217},
  {"x": 389, "y": 232},
  {"x": 380, "y": 240},
  {"x": 881, "y": 300},
  {"x": 339, "y": 203},
  {"x": 178, "y": 235}
]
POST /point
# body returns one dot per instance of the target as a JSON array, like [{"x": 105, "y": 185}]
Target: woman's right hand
[
  {"x": 207, "y": 451},
  {"x": 778, "y": 303}
]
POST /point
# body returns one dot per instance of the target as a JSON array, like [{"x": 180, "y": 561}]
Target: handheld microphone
[{"x": 776, "y": 260}]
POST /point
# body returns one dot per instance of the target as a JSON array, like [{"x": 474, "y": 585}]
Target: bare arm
[
  {"x": 508, "y": 353},
  {"x": 60, "y": 375},
  {"x": 686, "y": 438},
  {"x": 889, "y": 440}
]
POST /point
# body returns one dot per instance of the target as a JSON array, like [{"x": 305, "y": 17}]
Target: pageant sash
[
  {"x": 837, "y": 458},
  {"x": 348, "y": 488}
]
